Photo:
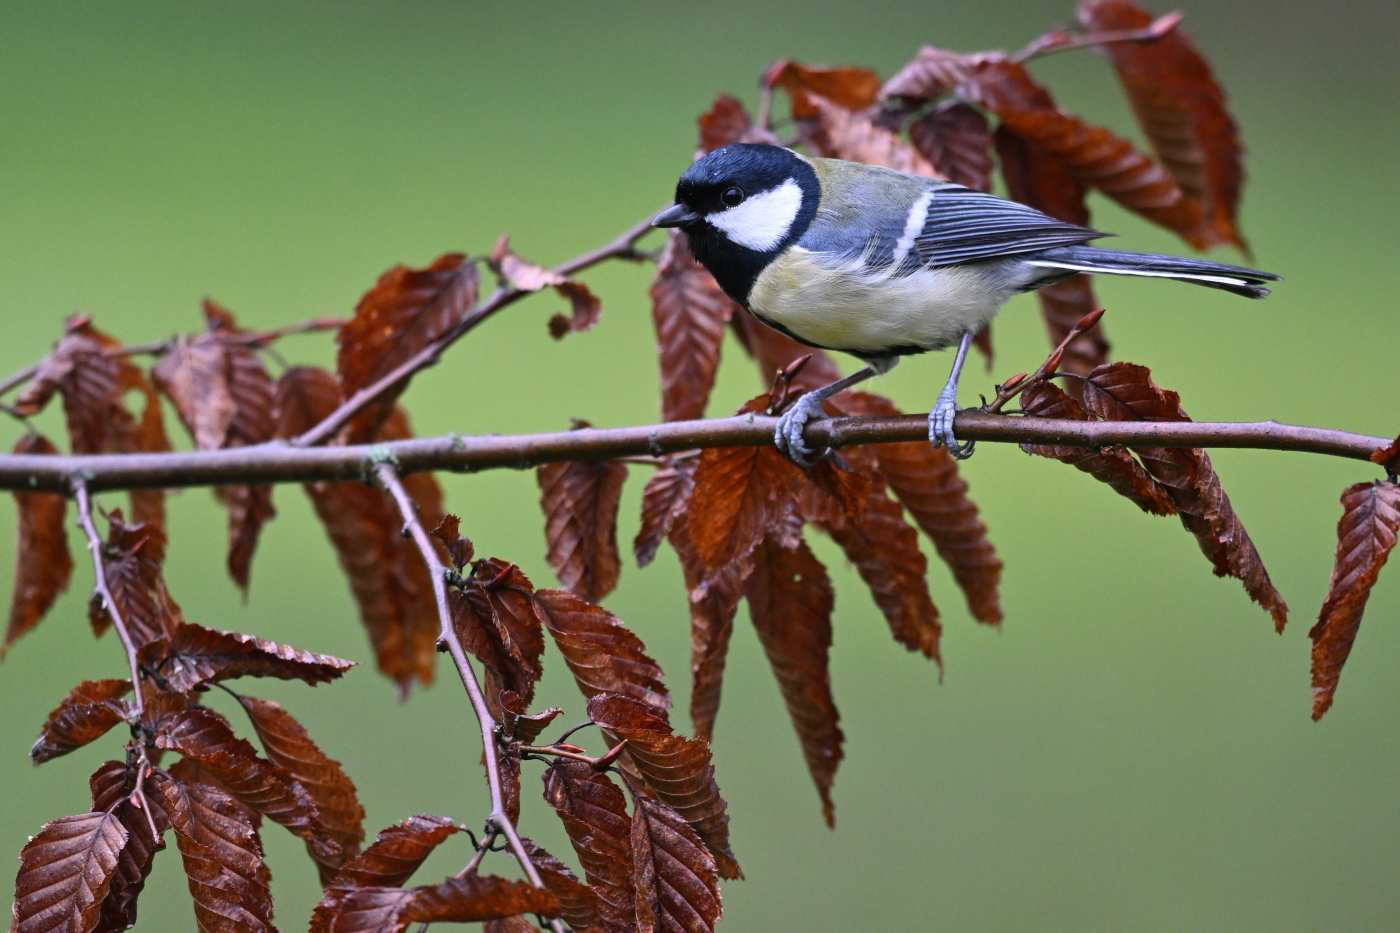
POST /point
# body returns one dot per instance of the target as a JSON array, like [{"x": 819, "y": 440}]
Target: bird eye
[{"x": 732, "y": 197}]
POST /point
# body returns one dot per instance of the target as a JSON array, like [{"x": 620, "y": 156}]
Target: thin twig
[
  {"x": 621, "y": 247},
  {"x": 1016, "y": 385},
  {"x": 1060, "y": 41},
  {"x": 498, "y": 821},
  {"x": 99, "y": 588},
  {"x": 138, "y": 796},
  {"x": 481, "y": 850},
  {"x": 557, "y": 753}
]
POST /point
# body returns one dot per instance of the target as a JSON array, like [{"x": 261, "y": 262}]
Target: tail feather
[{"x": 1236, "y": 279}]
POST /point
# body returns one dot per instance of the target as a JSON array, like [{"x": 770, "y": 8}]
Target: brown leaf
[
  {"x": 847, "y": 88},
  {"x": 675, "y": 874},
  {"x": 773, "y": 351},
  {"x": 388, "y": 578},
  {"x": 397, "y": 852},
  {"x": 1036, "y": 178},
  {"x": 205, "y": 736},
  {"x": 580, "y": 500},
  {"x": 725, "y": 122},
  {"x": 603, "y": 654},
  {"x": 790, "y": 601},
  {"x": 517, "y": 724},
  {"x": 455, "y": 900},
  {"x": 1365, "y": 538},
  {"x": 43, "y": 567},
  {"x": 676, "y": 768},
  {"x": 496, "y": 619},
  {"x": 666, "y": 493},
  {"x": 956, "y": 140},
  {"x": 585, "y": 307},
  {"x": 577, "y": 901},
  {"x": 1125, "y": 392},
  {"x": 1113, "y": 466},
  {"x": 1388, "y": 456},
  {"x": 195, "y": 655},
  {"x": 338, "y": 809},
  {"x": 839, "y": 133},
  {"x": 222, "y": 855},
  {"x": 459, "y": 549},
  {"x": 1181, "y": 109},
  {"x": 132, "y": 560},
  {"x": 65, "y": 872},
  {"x": 932, "y": 73},
  {"x": 111, "y": 783},
  {"x": 86, "y": 714},
  {"x": 515, "y": 924},
  {"x": 1092, "y": 155},
  {"x": 689, "y": 311},
  {"x": 405, "y": 312},
  {"x": 594, "y": 814}
]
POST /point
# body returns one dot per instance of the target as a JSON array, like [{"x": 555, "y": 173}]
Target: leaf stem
[
  {"x": 1058, "y": 40},
  {"x": 99, "y": 588}
]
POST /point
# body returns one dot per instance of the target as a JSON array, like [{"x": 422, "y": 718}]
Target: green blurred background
[{"x": 1132, "y": 751}]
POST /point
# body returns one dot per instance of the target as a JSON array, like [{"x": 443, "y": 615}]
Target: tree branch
[
  {"x": 100, "y": 590},
  {"x": 279, "y": 462},
  {"x": 622, "y": 247},
  {"x": 499, "y": 821}
]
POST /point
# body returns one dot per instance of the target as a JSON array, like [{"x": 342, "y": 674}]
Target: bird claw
[
  {"x": 940, "y": 428},
  {"x": 788, "y": 435}
]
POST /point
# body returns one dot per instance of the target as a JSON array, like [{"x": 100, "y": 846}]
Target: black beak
[{"x": 675, "y": 216}]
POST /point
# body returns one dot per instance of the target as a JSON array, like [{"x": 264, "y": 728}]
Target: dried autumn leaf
[
  {"x": 580, "y": 500},
  {"x": 387, "y": 576},
  {"x": 65, "y": 872},
  {"x": 1112, "y": 466},
  {"x": 666, "y": 493},
  {"x": 1365, "y": 538},
  {"x": 585, "y": 307},
  {"x": 1125, "y": 392},
  {"x": 578, "y": 902},
  {"x": 459, "y": 549},
  {"x": 790, "y": 601},
  {"x": 204, "y": 736},
  {"x": 397, "y": 852},
  {"x": 594, "y": 814},
  {"x": 515, "y": 924},
  {"x": 1181, "y": 109},
  {"x": 603, "y": 654},
  {"x": 675, "y": 873},
  {"x": 957, "y": 142},
  {"x": 43, "y": 567},
  {"x": 689, "y": 311},
  {"x": 1091, "y": 154},
  {"x": 1036, "y": 178},
  {"x": 195, "y": 655},
  {"x": 222, "y": 855},
  {"x": 111, "y": 784},
  {"x": 456, "y": 900},
  {"x": 847, "y": 88},
  {"x": 288, "y": 745},
  {"x": 725, "y": 122},
  {"x": 131, "y": 560},
  {"x": 838, "y": 133},
  {"x": 932, "y": 73},
  {"x": 405, "y": 312},
  {"x": 677, "y": 769},
  {"x": 517, "y": 724},
  {"x": 92, "y": 708},
  {"x": 496, "y": 618}
]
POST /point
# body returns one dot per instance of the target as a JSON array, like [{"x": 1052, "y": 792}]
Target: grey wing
[{"x": 963, "y": 226}]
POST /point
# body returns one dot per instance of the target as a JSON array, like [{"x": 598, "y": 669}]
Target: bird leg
[
  {"x": 788, "y": 436},
  {"x": 940, "y": 420}
]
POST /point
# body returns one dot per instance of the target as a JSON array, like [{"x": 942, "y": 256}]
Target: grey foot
[
  {"x": 940, "y": 428},
  {"x": 788, "y": 435}
]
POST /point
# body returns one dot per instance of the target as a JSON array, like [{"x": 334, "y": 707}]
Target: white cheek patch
[{"x": 761, "y": 222}]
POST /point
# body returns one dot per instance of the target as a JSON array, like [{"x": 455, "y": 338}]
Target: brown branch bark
[
  {"x": 100, "y": 590},
  {"x": 281, "y": 463},
  {"x": 622, "y": 247}
]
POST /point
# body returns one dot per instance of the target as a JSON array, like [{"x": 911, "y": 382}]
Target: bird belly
[{"x": 842, "y": 305}]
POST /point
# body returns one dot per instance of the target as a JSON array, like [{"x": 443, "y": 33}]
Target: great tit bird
[{"x": 879, "y": 264}]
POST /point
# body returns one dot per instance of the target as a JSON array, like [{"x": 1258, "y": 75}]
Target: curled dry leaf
[
  {"x": 1388, "y": 456},
  {"x": 957, "y": 142},
  {"x": 65, "y": 873},
  {"x": 603, "y": 654},
  {"x": 1125, "y": 392},
  {"x": 407, "y": 311},
  {"x": 460, "y": 550},
  {"x": 494, "y": 615},
  {"x": 677, "y": 769},
  {"x": 790, "y": 601},
  {"x": 847, "y": 88},
  {"x": 456, "y": 900},
  {"x": 839, "y": 133},
  {"x": 289, "y": 746},
  {"x": 1091, "y": 154},
  {"x": 1036, "y": 178},
  {"x": 580, "y": 501},
  {"x": 222, "y": 855},
  {"x": 578, "y": 903},
  {"x": 665, "y": 495},
  {"x": 132, "y": 561},
  {"x": 517, "y": 724},
  {"x": 677, "y": 891},
  {"x": 1181, "y": 109},
  {"x": 387, "y": 576},
  {"x": 112, "y": 783},
  {"x": 43, "y": 566},
  {"x": 1365, "y": 538},
  {"x": 1112, "y": 466},
  {"x": 689, "y": 311},
  {"x": 86, "y": 714},
  {"x": 193, "y": 655},
  {"x": 397, "y": 852},
  {"x": 932, "y": 73},
  {"x": 594, "y": 814},
  {"x": 585, "y": 307},
  {"x": 728, "y": 122}
]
